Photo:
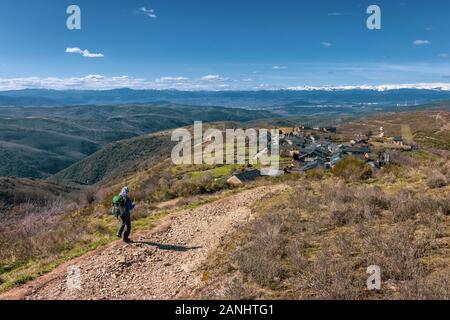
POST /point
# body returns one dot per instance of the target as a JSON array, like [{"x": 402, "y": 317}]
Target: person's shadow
[{"x": 168, "y": 247}]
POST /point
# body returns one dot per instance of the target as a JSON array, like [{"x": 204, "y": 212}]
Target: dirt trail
[{"x": 161, "y": 264}]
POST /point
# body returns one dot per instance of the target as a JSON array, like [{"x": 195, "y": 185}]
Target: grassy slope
[
  {"x": 98, "y": 230},
  {"x": 304, "y": 245},
  {"x": 429, "y": 129},
  {"x": 316, "y": 240}
]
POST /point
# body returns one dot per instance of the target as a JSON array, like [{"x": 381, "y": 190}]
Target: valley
[
  {"x": 37, "y": 142},
  {"x": 75, "y": 203}
]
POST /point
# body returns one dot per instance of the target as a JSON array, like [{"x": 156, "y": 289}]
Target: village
[{"x": 304, "y": 148}]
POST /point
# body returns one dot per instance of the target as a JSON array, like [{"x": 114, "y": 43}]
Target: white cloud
[
  {"x": 147, "y": 12},
  {"x": 421, "y": 42},
  {"x": 212, "y": 77},
  {"x": 89, "y": 82},
  {"x": 172, "y": 79},
  {"x": 84, "y": 53},
  {"x": 444, "y": 55},
  {"x": 338, "y": 14},
  {"x": 101, "y": 82},
  {"x": 279, "y": 67},
  {"x": 73, "y": 50},
  {"x": 326, "y": 44}
]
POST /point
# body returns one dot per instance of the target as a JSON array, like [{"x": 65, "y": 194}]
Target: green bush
[{"x": 352, "y": 168}]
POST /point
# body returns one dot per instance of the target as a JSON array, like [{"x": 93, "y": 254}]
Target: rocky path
[{"x": 161, "y": 264}]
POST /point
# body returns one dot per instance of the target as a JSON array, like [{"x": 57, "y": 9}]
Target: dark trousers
[{"x": 125, "y": 225}]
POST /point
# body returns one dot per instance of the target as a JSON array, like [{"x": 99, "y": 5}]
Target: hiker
[{"x": 123, "y": 207}]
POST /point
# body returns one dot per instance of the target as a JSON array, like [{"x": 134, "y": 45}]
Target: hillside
[
  {"x": 117, "y": 160},
  {"x": 19, "y": 191},
  {"x": 241, "y": 99},
  {"x": 161, "y": 264},
  {"x": 306, "y": 230},
  {"x": 429, "y": 129},
  {"x": 41, "y": 141},
  {"x": 23, "y": 101}
]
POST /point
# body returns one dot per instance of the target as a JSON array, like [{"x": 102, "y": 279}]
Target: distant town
[{"x": 304, "y": 148}]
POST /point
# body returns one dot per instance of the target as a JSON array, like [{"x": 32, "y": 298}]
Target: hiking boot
[
  {"x": 119, "y": 235},
  {"x": 127, "y": 240}
]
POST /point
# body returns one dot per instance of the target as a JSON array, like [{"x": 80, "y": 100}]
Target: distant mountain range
[
  {"x": 381, "y": 95},
  {"x": 383, "y": 87}
]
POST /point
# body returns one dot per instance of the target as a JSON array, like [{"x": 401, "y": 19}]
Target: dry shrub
[
  {"x": 139, "y": 195},
  {"x": 300, "y": 253},
  {"x": 395, "y": 250},
  {"x": 341, "y": 191},
  {"x": 436, "y": 180},
  {"x": 261, "y": 258},
  {"x": 344, "y": 204},
  {"x": 234, "y": 288},
  {"x": 397, "y": 158},
  {"x": 296, "y": 257},
  {"x": 330, "y": 277},
  {"x": 445, "y": 170},
  {"x": 42, "y": 232},
  {"x": 341, "y": 216},
  {"x": 140, "y": 214},
  {"x": 89, "y": 196},
  {"x": 436, "y": 205},
  {"x": 353, "y": 205},
  {"x": 407, "y": 204},
  {"x": 333, "y": 274},
  {"x": 374, "y": 197},
  {"x": 433, "y": 287}
]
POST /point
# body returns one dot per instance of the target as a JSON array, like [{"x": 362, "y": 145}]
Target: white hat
[{"x": 124, "y": 192}]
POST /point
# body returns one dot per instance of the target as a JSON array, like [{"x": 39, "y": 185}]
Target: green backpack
[{"x": 118, "y": 206}]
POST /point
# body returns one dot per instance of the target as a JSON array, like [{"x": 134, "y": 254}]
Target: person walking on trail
[{"x": 122, "y": 209}]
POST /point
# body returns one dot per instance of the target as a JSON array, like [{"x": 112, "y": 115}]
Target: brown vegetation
[
  {"x": 317, "y": 241},
  {"x": 436, "y": 180}
]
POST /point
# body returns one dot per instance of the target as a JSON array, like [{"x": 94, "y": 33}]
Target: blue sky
[{"x": 217, "y": 44}]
